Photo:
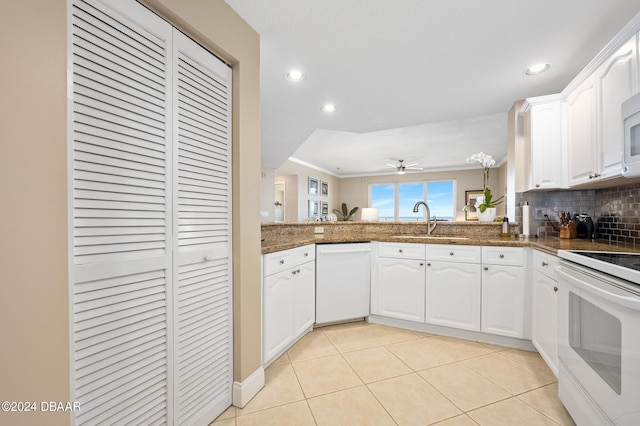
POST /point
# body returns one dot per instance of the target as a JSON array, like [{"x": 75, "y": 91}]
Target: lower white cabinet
[
  {"x": 545, "y": 308},
  {"x": 453, "y": 295},
  {"x": 504, "y": 287},
  {"x": 400, "y": 290},
  {"x": 453, "y": 286},
  {"x": 288, "y": 299}
]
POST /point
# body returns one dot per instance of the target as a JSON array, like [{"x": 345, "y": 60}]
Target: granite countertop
[{"x": 548, "y": 244}]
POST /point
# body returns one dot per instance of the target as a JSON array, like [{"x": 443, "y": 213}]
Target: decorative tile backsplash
[{"x": 615, "y": 211}]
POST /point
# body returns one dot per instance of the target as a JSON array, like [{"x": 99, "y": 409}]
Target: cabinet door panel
[
  {"x": 545, "y": 319},
  {"x": 278, "y": 312},
  {"x": 304, "y": 295},
  {"x": 453, "y": 295},
  {"x": 581, "y": 134},
  {"x": 503, "y": 292},
  {"x": 401, "y": 289}
]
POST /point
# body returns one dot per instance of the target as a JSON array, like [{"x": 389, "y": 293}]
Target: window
[{"x": 395, "y": 201}]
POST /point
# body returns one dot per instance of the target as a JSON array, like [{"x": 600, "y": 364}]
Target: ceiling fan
[{"x": 401, "y": 168}]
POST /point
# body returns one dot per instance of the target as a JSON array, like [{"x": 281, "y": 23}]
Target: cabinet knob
[
  {"x": 306, "y": 254},
  {"x": 545, "y": 264},
  {"x": 555, "y": 288},
  {"x": 450, "y": 253},
  {"x": 282, "y": 261},
  {"x": 400, "y": 250},
  {"x": 428, "y": 264},
  {"x": 293, "y": 272},
  {"x": 537, "y": 185},
  {"x": 486, "y": 268},
  {"x": 501, "y": 256}
]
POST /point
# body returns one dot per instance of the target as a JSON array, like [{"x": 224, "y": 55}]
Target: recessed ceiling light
[
  {"x": 294, "y": 76},
  {"x": 328, "y": 108},
  {"x": 537, "y": 68}
]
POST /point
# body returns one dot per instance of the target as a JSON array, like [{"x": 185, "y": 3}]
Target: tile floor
[{"x": 369, "y": 374}]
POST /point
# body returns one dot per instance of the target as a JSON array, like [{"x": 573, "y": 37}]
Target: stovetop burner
[{"x": 625, "y": 260}]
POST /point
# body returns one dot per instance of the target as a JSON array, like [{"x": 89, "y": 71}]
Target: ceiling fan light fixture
[
  {"x": 401, "y": 170},
  {"x": 538, "y": 68},
  {"x": 294, "y": 76}
]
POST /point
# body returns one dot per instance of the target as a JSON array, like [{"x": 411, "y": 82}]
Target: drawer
[
  {"x": 401, "y": 250},
  {"x": 512, "y": 256},
  {"x": 453, "y": 253},
  {"x": 545, "y": 263},
  {"x": 282, "y": 260}
]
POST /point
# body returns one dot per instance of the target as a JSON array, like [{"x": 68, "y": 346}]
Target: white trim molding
[{"x": 244, "y": 391}]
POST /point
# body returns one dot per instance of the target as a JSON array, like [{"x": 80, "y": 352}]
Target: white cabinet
[
  {"x": 543, "y": 143},
  {"x": 399, "y": 285},
  {"x": 545, "y": 308},
  {"x": 616, "y": 81},
  {"x": 594, "y": 123},
  {"x": 582, "y": 147},
  {"x": 288, "y": 299},
  {"x": 453, "y": 283},
  {"x": 504, "y": 291}
]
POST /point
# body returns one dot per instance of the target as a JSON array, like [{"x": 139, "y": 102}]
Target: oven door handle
[{"x": 631, "y": 302}]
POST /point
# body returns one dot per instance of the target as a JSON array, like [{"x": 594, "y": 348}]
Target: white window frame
[{"x": 424, "y": 182}]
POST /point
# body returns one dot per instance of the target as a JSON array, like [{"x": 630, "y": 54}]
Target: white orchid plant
[{"x": 486, "y": 161}]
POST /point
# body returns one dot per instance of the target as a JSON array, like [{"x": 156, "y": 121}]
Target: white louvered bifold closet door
[
  {"x": 202, "y": 209},
  {"x": 150, "y": 286}
]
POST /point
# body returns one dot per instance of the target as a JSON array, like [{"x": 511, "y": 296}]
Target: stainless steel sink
[{"x": 432, "y": 237}]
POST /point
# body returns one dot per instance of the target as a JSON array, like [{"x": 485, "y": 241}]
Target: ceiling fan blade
[
  {"x": 414, "y": 168},
  {"x": 411, "y": 165}
]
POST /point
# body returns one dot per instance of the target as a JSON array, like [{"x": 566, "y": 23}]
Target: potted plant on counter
[
  {"x": 345, "y": 214},
  {"x": 485, "y": 204}
]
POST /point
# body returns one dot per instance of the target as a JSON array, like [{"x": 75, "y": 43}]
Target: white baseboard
[{"x": 244, "y": 391}]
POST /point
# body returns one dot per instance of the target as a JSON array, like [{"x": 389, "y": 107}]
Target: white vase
[{"x": 489, "y": 215}]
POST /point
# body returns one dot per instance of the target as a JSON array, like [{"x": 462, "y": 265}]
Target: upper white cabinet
[
  {"x": 616, "y": 81},
  {"x": 594, "y": 123},
  {"x": 543, "y": 143},
  {"x": 582, "y": 148}
]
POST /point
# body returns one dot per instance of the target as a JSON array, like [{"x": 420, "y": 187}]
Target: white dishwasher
[{"x": 343, "y": 281}]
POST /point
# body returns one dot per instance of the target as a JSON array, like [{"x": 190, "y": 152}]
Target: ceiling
[{"x": 426, "y": 81}]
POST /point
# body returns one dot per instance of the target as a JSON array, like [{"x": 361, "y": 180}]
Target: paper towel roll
[{"x": 525, "y": 219}]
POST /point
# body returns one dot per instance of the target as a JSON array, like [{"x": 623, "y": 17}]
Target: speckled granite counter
[{"x": 278, "y": 237}]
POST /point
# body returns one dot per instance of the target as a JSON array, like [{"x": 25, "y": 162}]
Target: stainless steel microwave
[{"x": 631, "y": 126}]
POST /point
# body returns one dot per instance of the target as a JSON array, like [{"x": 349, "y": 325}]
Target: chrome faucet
[{"x": 429, "y": 227}]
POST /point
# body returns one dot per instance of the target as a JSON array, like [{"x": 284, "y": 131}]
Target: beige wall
[
  {"x": 301, "y": 173},
  {"x": 34, "y": 306},
  {"x": 34, "y": 312},
  {"x": 355, "y": 191}
]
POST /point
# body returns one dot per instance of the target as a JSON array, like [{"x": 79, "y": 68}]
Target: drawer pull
[
  {"x": 282, "y": 261},
  {"x": 400, "y": 250},
  {"x": 451, "y": 253},
  {"x": 428, "y": 264},
  {"x": 555, "y": 288},
  {"x": 421, "y": 264},
  {"x": 502, "y": 256},
  {"x": 306, "y": 254},
  {"x": 545, "y": 264},
  {"x": 486, "y": 268}
]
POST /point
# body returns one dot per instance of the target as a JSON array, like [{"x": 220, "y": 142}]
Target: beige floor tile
[
  {"x": 507, "y": 374},
  {"x": 296, "y": 414},
  {"x": 282, "y": 359},
  {"x": 229, "y": 413},
  {"x": 546, "y": 401},
  {"x": 224, "y": 422},
  {"x": 458, "y": 348},
  {"x": 420, "y": 354},
  {"x": 387, "y": 335},
  {"x": 313, "y": 345},
  {"x": 412, "y": 401},
  {"x": 529, "y": 359},
  {"x": 281, "y": 387},
  {"x": 509, "y": 412},
  {"x": 463, "y": 386},
  {"x": 462, "y": 420},
  {"x": 318, "y": 376},
  {"x": 356, "y": 406},
  {"x": 352, "y": 338},
  {"x": 376, "y": 364}
]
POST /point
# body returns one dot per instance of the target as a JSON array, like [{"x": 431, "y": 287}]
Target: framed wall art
[
  {"x": 314, "y": 208},
  {"x": 324, "y": 188},
  {"x": 470, "y": 197},
  {"x": 314, "y": 186},
  {"x": 325, "y": 208}
]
